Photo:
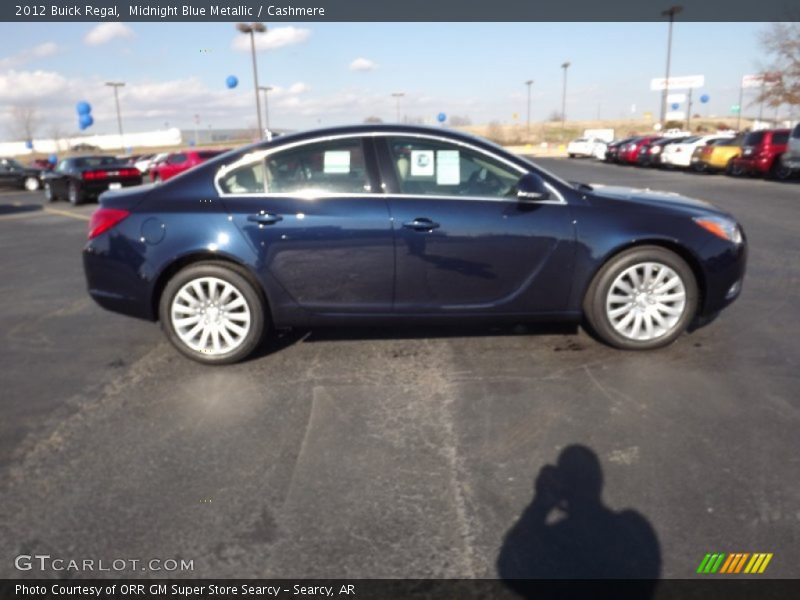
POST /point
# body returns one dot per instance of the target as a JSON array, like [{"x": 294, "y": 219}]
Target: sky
[{"x": 335, "y": 73}]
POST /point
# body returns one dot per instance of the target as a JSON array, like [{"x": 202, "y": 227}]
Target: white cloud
[
  {"x": 28, "y": 55},
  {"x": 273, "y": 38},
  {"x": 363, "y": 64},
  {"x": 105, "y": 32},
  {"x": 18, "y": 86},
  {"x": 298, "y": 88}
]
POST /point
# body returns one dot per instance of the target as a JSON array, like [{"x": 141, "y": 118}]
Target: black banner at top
[{"x": 406, "y": 10}]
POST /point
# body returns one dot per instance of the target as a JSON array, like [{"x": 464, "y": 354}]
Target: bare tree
[
  {"x": 781, "y": 43},
  {"x": 24, "y": 122},
  {"x": 373, "y": 120}
]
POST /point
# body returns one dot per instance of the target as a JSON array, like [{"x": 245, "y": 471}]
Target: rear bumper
[
  {"x": 754, "y": 165},
  {"x": 95, "y": 188},
  {"x": 791, "y": 161}
]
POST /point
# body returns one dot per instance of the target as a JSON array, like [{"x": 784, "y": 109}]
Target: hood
[{"x": 653, "y": 198}]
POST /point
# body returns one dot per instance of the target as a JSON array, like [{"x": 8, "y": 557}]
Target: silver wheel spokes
[
  {"x": 210, "y": 315},
  {"x": 646, "y": 301}
]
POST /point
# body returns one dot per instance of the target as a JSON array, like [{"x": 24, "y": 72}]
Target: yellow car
[{"x": 717, "y": 155}]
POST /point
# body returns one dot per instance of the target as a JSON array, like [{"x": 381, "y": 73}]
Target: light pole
[
  {"x": 397, "y": 96},
  {"x": 266, "y": 89},
  {"x": 116, "y": 85},
  {"x": 529, "y": 83},
  {"x": 252, "y": 29},
  {"x": 670, "y": 12},
  {"x": 565, "y": 65}
]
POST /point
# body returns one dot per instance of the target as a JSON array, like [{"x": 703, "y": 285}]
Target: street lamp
[
  {"x": 529, "y": 83},
  {"x": 116, "y": 85},
  {"x": 252, "y": 29},
  {"x": 670, "y": 12},
  {"x": 397, "y": 96},
  {"x": 565, "y": 65},
  {"x": 266, "y": 89}
]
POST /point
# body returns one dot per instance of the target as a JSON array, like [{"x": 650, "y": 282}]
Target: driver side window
[{"x": 434, "y": 168}]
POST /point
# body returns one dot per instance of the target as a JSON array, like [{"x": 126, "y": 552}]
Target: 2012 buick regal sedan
[{"x": 379, "y": 224}]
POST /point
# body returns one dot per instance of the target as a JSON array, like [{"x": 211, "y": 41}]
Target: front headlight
[{"x": 722, "y": 227}]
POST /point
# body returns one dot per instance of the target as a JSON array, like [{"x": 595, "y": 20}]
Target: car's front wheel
[
  {"x": 642, "y": 298},
  {"x": 212, "y": 313},
  {"x": 31, "y": 184}
]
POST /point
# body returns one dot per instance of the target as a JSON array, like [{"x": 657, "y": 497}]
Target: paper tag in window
[
  {"x": 448, "y": 167},
  {"x": 337, "y": 161},
  {"x": 422, "y": 163}
]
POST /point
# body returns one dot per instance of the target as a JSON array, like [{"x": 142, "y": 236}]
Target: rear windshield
[
  {"x": 754, "y": 139},
  {"x": 90, "y": 162}
]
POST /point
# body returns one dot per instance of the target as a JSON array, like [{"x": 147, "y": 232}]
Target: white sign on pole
[
  {"x": 760, "y": 79},
  {"x": 678, "y": 83},
  {"x": 676, "y": 98}
]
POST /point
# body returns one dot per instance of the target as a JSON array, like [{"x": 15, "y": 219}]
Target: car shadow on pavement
[
  {"x": 12, "y": 209},
  {"x": 567, "y": 533}
]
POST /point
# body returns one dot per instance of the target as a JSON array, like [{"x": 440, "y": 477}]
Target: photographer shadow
[{"x": 567, "y": 533}]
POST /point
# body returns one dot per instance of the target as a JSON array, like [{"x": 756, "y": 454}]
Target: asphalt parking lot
[{"x": 401, "y": 452}]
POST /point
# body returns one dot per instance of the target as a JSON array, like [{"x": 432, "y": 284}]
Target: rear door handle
[
  {"x": 264, "y": 218},
  {"x": 421, "y": 224}
]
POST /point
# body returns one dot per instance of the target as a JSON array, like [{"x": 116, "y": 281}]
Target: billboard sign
[{"x": 678, "y": 83}]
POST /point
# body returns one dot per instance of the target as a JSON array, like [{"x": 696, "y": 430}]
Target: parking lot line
[{"x": 64, "y": 213}]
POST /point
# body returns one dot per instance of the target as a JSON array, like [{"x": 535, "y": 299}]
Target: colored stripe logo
[{"x": 734, "y": 563}]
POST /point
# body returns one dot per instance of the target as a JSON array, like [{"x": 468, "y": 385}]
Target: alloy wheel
[
  {"x": 210, "y": 315},
  {"x": 646, "y": 301}
]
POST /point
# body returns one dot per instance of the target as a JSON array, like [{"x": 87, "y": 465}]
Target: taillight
[
  {"x": 104, "y": 219},
  {"x": 129, "y": 173},
  {"x": 93, "y": 175}
]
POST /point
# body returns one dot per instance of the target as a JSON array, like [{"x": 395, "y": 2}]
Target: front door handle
[
  {"x": 264, "y": 218},
  {"x": 421, "y": 224}
]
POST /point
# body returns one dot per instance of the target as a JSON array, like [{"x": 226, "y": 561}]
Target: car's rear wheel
[
  {"x": 642, "y": 298},
  {"x": 212, "y": 313},
  {"x": 31, "y": 184},
  {"x": 734, "y": 169},
  {"x": 74, "y": 194},
  {"x": 780, "y": 171}
]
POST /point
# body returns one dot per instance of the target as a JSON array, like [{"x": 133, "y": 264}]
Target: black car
[
  {"x": 376, "y": 224},
  {"x": 650, "y": 154},
  {"x": 83, "y": 177},
  {"x": 15, "y": 175}
]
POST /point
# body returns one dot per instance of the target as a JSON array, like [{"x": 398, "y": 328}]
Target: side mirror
[{"x": 531, "y": 188}]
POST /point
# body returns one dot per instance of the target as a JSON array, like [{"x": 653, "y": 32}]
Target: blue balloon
[
  {"x": 704, "y": 98},
  {"x": 675, "y": 106},
  {"x": 52, "y": 159},
  {"x": 231, "y": 81},
  {"x": 85, "y": 121},
  {"x": 29, "y": 144},
  {"x": 191, "y": 142},
  {"x": 83, "y": 107},
  {"x": 441, "y": 117}
]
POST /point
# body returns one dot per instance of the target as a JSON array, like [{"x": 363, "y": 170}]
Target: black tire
[
  {"x": 594, "y": 303},
  {"x": 74, "y": 194},
  {"x": 779, "y": 171},
  {"x": 236, "y": 278},
  {"x": 733, "y": 169},
  {"x": 49, "y": 194},
  {"x": 699, "y": 167},
  {"x": 572, "y": 156}
]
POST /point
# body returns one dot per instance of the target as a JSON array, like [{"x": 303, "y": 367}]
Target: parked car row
[{"x": 773, "y": 153}]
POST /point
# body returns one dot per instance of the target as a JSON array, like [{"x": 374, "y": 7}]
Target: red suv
[
  {"x": 761, "y": 154},
  {"x": 629, "y": 153},
  {"x": 178, "y": 162}
]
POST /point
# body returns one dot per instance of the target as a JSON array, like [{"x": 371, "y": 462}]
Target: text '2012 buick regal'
[{"x": 373, "y": 224}]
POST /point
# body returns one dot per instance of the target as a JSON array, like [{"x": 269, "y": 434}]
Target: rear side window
[
  {"x": 335, "y": 167},
  {"x": 247, "y": 179},
  {"x": 781, "y": 137}
]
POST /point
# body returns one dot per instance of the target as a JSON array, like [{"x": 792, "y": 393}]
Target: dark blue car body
[{"x": 332, "y": 258}]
